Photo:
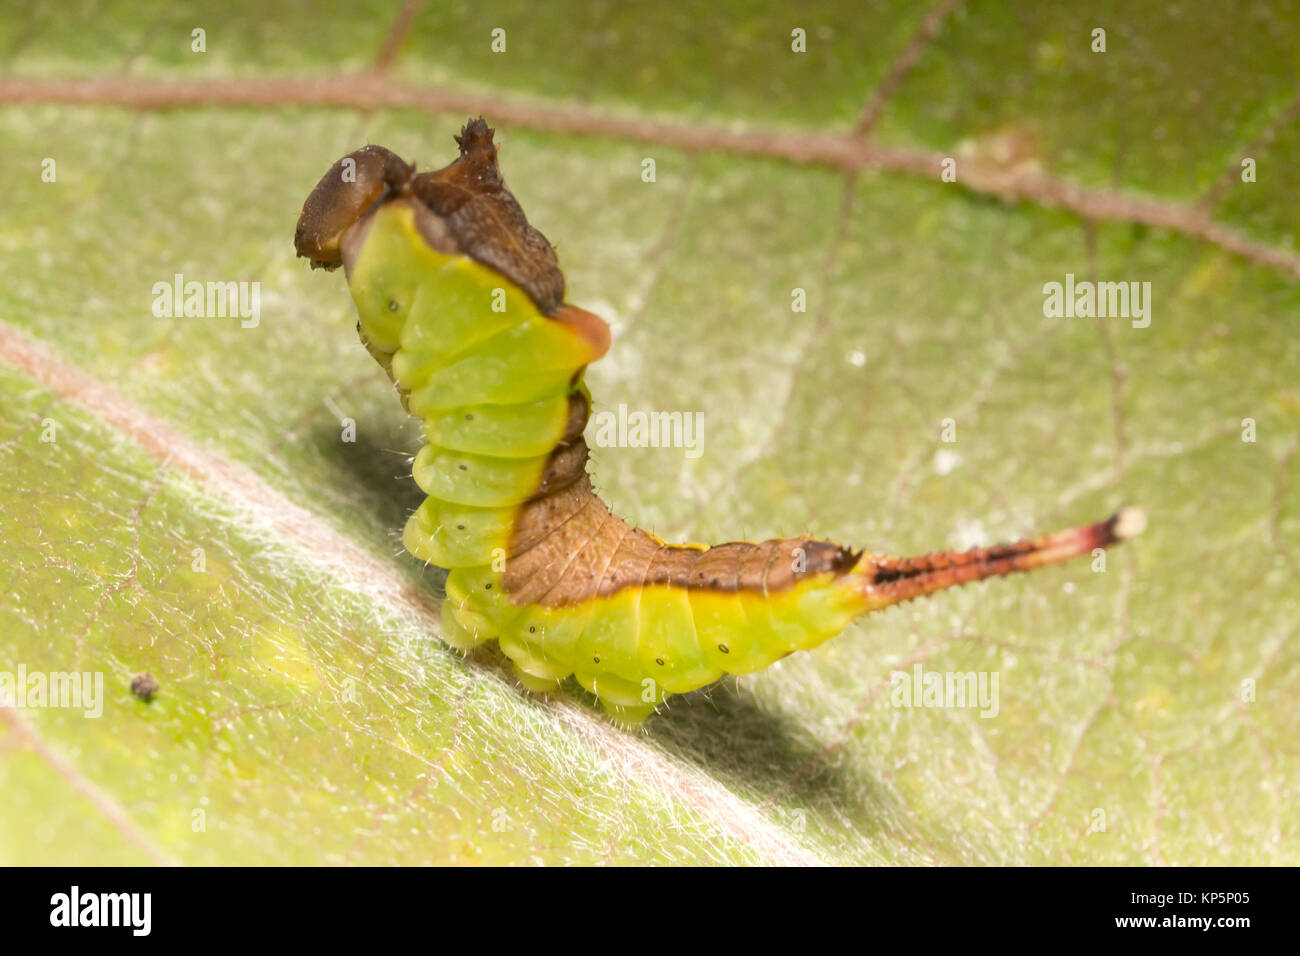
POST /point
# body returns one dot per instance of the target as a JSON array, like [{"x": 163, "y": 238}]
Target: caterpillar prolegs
[{"x": 462, "y": 303}]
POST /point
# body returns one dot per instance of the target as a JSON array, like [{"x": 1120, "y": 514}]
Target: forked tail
[{"x": 887, "y": 581}]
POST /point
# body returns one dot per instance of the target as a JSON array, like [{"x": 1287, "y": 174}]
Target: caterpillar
[{"x": 462, "y": 303}]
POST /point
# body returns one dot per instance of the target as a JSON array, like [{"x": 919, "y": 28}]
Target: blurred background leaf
[{"x": 306, "y": 712}]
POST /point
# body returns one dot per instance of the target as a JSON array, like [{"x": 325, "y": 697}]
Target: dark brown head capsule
[
  {"x": 464, "y": 208},
  {"x": 342, "y": 197}
]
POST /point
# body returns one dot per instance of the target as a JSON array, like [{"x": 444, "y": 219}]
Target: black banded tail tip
[{"x": 1127, "y": 523}]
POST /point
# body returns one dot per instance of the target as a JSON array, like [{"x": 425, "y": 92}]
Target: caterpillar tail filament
[{"x": 885, "y": 581}]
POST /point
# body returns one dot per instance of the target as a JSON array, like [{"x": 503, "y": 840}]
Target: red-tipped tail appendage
[{"x": 887, "y": 580}]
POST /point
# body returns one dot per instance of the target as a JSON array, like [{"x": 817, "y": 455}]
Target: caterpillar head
[
  {"x": 464, "y": 207},
  {"x": 342, "y": 198}
]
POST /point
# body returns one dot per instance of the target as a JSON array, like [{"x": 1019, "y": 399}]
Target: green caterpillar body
[
  {"x": 494, "y": 389},
  {"x": 463, "y": 307}
]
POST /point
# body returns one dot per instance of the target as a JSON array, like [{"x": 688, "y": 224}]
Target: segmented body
[
  {"x": 536, "y": 560},
  {"x": 462, "y": 303}
]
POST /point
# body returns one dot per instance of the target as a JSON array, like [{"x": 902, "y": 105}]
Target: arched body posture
[{"x": 462, "y": 303}]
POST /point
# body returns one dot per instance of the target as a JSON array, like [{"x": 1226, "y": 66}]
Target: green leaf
[{"x": 179, "y": 500}]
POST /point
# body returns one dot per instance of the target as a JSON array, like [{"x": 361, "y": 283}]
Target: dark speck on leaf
[{"x": 144, "y": 687}]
